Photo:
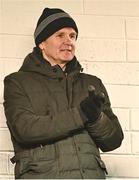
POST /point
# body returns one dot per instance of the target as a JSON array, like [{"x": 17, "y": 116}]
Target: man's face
[{"x": 60, "y": 47}]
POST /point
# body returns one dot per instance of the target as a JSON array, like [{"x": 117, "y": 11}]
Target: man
[{"x": 58, "y": 116}]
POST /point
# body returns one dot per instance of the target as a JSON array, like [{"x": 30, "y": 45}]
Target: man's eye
[
  {"x": 60, "y": 35},
  {"x": 73, "y": 36}
]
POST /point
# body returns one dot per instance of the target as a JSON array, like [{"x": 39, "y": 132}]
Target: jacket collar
[{"x": 34, "y": 62}]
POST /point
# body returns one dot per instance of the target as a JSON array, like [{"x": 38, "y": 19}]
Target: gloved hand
[{"x": 92, "y": 105}]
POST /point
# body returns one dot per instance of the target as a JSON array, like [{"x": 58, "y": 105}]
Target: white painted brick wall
[
  {"x": 107, "y": 47},
  {"x": 132, "y": 25},
  {"x": 134, "y": 119},
  {"x": 132, "y": 49}
]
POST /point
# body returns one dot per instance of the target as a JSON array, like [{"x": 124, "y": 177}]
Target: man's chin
[{"x": 67, "y": 59}]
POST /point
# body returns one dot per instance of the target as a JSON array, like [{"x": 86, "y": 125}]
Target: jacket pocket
[
  {"x": 39, "y": 160},
  {"x": 42, "y": 166},
  {"x": 101, "y": 164},
  {"x": 21, "y": 167}
]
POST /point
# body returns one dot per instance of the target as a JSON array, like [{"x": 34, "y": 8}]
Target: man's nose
[{"x": 68, "y": 40}]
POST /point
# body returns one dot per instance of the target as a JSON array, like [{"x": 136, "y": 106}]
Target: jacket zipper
[{"x": 67, "y": 94}]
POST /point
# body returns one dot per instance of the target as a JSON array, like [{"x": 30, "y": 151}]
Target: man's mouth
[{"x": 68, "y": 50}]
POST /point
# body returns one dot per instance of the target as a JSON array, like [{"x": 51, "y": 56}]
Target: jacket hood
[{"x": 34, "y": 62}]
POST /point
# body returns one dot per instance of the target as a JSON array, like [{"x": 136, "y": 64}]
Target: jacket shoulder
[
  {"x": 90, "y": 77},
  {"x": 15, "y": 76}
]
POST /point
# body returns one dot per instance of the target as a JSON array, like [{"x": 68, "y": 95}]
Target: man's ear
[{"x": 41, "y": 46}]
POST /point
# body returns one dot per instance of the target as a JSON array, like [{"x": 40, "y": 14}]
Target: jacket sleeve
[
  {"x": 106, "y": 131},
  {"x": 28, "y": 128}
]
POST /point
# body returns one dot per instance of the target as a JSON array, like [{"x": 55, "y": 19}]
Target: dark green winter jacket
[{"x": 47, "y": 126}]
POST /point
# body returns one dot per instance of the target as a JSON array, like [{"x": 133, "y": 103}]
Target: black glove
[{"x": 92, "y": 105}]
